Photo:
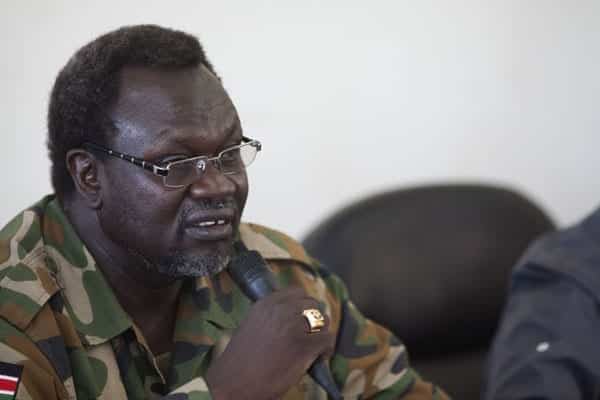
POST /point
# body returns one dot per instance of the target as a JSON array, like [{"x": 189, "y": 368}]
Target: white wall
[{"x": 350, "y": 97}]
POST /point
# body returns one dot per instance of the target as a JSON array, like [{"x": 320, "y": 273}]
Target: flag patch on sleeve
[{"x": 10, "y": 375}]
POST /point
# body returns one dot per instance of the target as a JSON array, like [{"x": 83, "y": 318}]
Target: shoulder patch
[
  {"x": 274, "y": 245},
  {"x": 10, "y": 376}
]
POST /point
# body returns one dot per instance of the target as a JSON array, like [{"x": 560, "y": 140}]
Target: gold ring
[{"x": 315, "y": 319}]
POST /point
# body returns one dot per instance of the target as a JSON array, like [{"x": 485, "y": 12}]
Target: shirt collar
[{"x": 273, "y": 245}]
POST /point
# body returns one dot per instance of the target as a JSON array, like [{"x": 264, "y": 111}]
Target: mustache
[{"x": 208, "y": 205}]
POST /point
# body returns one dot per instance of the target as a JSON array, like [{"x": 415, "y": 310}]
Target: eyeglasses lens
[{"x": 229, "y": 162}]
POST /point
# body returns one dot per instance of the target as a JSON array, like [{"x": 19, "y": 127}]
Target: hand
[{"x": 271, "y": 350}]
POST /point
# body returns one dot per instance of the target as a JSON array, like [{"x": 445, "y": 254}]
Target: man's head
[
  {"x": 89, "y": 85},
  {"x": 148, "y": 92}
]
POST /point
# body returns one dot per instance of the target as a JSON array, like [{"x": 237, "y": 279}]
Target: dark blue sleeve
[{"x": 548, "y": 343}]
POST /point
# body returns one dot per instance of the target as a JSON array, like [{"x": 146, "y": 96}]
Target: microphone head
[
  {"x": 247, "y": 266},
  {"x": 250, "y": 272}
]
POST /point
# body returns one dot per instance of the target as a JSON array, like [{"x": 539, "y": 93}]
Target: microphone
[{"x": 249, "y": 271}]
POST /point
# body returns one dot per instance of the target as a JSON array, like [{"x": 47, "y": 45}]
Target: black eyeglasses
[{"x": 181, "y": 173}]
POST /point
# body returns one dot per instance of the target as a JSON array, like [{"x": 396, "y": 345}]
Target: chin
[{"x": 186, "y": 264}]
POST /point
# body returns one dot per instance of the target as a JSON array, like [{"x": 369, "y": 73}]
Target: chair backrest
[{"x": 432, "y": 264}]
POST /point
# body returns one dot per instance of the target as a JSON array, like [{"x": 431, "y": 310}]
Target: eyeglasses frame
[{"x": 163, "y": 171}]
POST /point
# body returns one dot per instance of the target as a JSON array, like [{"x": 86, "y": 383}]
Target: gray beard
[{"x": 179, "y": 265}]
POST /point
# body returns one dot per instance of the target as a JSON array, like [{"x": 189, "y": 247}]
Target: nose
[{"x": 213, "y": 183}]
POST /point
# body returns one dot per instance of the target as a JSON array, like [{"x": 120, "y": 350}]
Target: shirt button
[{"x": 542, "y": 347}]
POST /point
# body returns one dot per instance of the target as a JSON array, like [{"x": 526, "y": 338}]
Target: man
[
  {"x": 547, "y": 344},
  {"x": 118, "y": 287}
]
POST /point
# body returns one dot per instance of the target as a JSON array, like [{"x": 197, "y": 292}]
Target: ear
[{"x": 83, "y": 168}]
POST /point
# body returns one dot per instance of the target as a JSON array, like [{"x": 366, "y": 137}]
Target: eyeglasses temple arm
[{"x": 155, "y": 169}]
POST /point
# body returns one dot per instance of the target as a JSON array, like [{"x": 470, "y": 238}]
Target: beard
[{"x": 180, "y": 265}]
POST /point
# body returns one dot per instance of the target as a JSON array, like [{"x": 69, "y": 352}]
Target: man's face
[{"x": 161, "y": 116}]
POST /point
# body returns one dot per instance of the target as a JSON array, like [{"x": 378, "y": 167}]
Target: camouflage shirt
[{"x": 60, "y": 319}]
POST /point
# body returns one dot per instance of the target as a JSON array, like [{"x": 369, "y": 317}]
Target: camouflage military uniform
[{"x": 62, "y": 322}]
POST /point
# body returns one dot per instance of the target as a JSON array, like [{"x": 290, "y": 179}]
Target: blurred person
[
  {"x": 118, "y": 286},
  {"x": 547, "y": 343}
]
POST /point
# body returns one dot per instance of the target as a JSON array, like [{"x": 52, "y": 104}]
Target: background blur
[{"x": 350, "y": 97}]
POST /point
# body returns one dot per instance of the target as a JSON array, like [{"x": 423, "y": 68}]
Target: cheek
[{"x": 136, "y": 209}]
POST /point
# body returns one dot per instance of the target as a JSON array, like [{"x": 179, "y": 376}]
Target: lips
[{"x": 210, "y": 225}]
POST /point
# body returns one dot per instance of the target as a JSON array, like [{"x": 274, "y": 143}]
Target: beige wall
[{"x": 351, "y": 97}]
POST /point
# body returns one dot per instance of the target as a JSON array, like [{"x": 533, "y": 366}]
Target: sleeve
[
  {"x": 545, "y": 347},
  {"x": 39, "y": 383},
  {"x": 37, "y": 380},
  {"x": 369, "y": 362}
]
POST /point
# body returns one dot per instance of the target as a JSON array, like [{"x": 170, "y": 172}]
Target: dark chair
[{"x": 432, "y": 264}]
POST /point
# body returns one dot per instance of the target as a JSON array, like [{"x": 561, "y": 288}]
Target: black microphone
[{"x": 249, "y": 271}]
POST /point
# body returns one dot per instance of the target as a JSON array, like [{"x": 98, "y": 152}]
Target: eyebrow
[{"x": 168, "y": 134}]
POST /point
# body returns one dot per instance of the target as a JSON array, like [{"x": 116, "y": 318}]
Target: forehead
[{"x": 172, "y": 105}]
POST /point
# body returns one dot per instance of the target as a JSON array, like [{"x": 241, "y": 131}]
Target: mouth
[{"x": 210, "y": 227}]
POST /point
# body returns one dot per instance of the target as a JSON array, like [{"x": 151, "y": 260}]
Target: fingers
[
  {"x": 322, "y": 339},
  {"x": 290, "y": 303},
  {"x": 287, "y": 294}
]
